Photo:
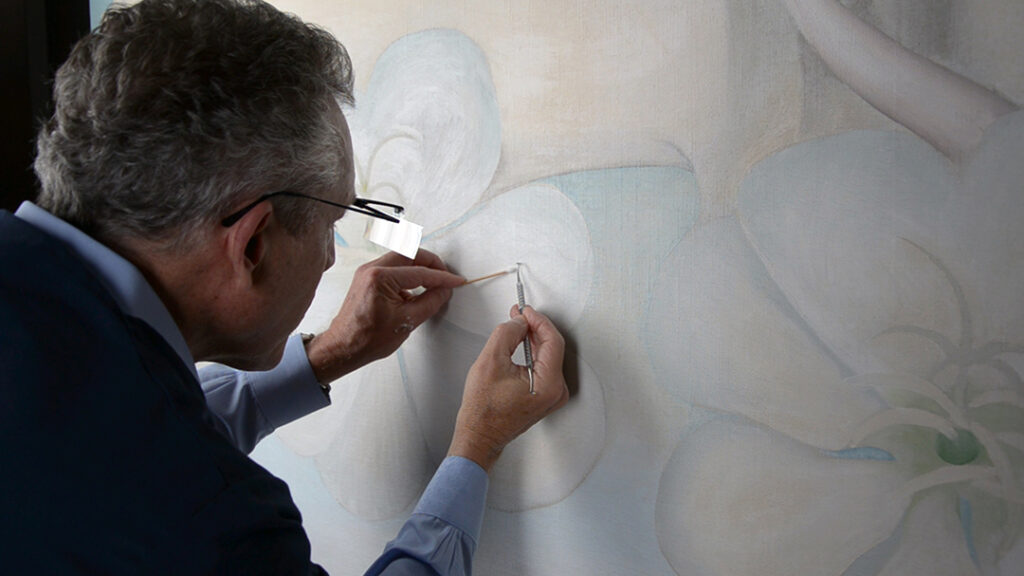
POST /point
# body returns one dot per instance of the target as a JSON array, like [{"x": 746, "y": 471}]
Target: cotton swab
[
  {"x": 508, "y": 270},
  {"x": 521, "y": 301}
]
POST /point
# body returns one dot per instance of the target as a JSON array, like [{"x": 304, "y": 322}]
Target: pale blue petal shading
[
  {"x": 861, "y": 453},
  {"x": 635, "y": 215},
  {"x": 967, "y": 523}
]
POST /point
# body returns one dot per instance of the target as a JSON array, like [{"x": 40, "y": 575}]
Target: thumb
[{"x": 506, "y": 337}]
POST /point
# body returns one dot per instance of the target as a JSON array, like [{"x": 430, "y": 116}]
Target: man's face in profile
[{"x": 298, "y": 267}]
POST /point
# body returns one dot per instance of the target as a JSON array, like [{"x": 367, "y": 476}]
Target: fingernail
[{"x": 519, "y": 320}]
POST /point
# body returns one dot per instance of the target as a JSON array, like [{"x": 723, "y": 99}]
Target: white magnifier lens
[{"x": 403, "y": 237}]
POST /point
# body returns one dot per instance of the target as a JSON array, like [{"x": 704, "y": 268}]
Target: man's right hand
[
  {"x": 496, "y": 404},
  {"x": 379, "y": 312}
]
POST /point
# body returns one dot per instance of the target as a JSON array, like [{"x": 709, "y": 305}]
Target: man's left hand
[{"x": 380, "y": 311}]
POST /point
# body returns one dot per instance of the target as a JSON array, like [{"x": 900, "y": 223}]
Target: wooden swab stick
[{"x": 494, "y": 275}]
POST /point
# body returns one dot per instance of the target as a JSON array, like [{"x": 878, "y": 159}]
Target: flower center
[{"x": 963, "y": 449}]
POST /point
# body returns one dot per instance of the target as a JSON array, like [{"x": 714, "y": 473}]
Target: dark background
[{"x": 36, "y": 36}]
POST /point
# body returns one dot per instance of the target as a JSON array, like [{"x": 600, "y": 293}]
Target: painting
[{"x": 782, "y": 239}]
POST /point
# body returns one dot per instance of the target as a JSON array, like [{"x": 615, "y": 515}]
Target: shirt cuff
[
  {"x": 457, "y": 495},
  {"x": 290, "y": 390}
]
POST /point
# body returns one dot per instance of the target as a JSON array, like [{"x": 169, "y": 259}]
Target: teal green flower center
[{"x": 963, "y": 449}]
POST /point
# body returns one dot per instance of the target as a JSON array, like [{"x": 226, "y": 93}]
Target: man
[{"x": 191, "y": 176}]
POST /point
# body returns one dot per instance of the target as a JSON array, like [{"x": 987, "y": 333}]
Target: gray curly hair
[{"x": 172, "y": 112}]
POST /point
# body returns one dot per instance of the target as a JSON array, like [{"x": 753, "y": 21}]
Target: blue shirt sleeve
[
  {"x": 441, "y": 535},
  {"x": 250, "y": 405}
]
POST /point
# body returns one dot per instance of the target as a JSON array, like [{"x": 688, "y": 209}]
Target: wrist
[
  {"x": 325, "y": 360},
  {"x": 482, "y": 452}
]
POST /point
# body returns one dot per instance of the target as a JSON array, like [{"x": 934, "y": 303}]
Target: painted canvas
[{"x": 783, "y": 239}]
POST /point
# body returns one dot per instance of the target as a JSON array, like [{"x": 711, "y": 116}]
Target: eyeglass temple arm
[
  {"x": 365, "y": 202},
  {"x": 361, "y": 205}
]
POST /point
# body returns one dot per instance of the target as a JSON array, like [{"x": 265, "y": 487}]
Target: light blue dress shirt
[{"x": 442, "y": 531}]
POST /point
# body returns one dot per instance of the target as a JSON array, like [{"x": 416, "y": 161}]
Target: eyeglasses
[{"x": 361, "y": 205}]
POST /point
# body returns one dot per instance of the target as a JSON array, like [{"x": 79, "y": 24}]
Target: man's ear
[{"x": 246, "y": 241}]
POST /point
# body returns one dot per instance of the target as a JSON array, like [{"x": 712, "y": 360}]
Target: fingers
[
  {"x": 496, "y": 406},
  {"x": 505, "y": 338},
  {"x": 429, "y": 259},
  {"x": 548, "y": 345},
  {"x": 423, "y": 257},
  {"x": 418, "y": 272},
  {"x": 543, "y": 329},
  {"x": 409, "y": 277}
]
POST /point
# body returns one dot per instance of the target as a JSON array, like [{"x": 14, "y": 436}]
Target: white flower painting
[
  {"x": 783, "y": 240},
  {"x": 880, "y": 380},
  {"x": 427, "y": 136}
]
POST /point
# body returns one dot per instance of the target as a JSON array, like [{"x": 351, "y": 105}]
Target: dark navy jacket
[{"x": 111, "y": 464}]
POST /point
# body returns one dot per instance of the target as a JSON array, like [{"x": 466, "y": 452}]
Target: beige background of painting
[{"x": 592, "y": 84}]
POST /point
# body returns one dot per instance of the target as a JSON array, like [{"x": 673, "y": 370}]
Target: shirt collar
[{"x": 124, "y": 281}]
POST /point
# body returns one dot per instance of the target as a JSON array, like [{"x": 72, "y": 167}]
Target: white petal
[
  {"x": 831, "y": 219},
  {"x": 933, "y": 540},
  {"x": 985, "y": 228},
  {"x": 721, "y": 335},
  {"x": 740, "y": 500},
  {"x": 435, "y": 85},
  {"x": 835, "y": 218},
  {"x": 435, "y": 361},
  {"x": 377, "y": 463},
  {"x": 536, "y": 225},
  {"x": 542, "y": 466}
]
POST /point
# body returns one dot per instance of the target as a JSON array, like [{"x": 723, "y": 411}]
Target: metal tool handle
[{"x": 527, "y": 349}]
